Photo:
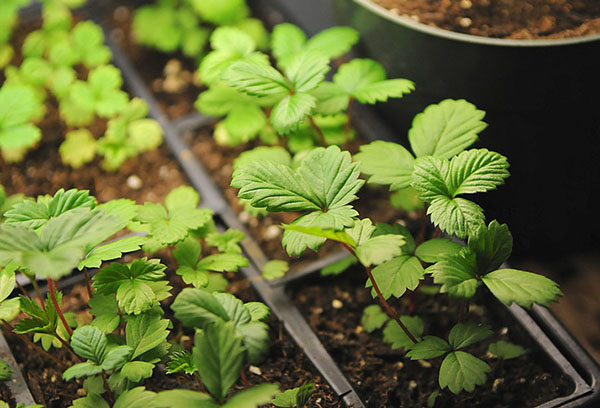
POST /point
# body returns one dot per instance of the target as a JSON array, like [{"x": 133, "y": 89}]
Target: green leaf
[
  {"x": 245, "y": 121},
  {"x": 252, "y": 397},
  {"x": 365, "y": 80},
  {"x": 275, "y": 154},
  {"x": 522, "y": 288},
  {"x": 258, "y": 311},
  {"x": 115, "y": 357},
  {"x": 9, "y": 309},
  {"x": 429, "y": 347},
  {"x": 182, "y": 197},
  {"x": 456, "y": 216},
  {"x": 5, "y": 371},
  {"x": 492, "y": 246},
  {"x": 456, "y": 274},
  {"x": 137, "y": 398},
  {"x": 136, "y": 371},
  {"x": 397, "y": 275},
  {"x": 386, "y": 163},
  {"x": 379, "y": 249},
  {"x": 462, "y": 371},
  {"x": 80, "y": 370},
  {"x": 445, "y": 129},
  {"x": 339, "y": 236},
  {"x": 437, "y": 249},
  {"x": 287, "y": 40},
  {"x": 227, "y": 262},
  {"x": 90, "y": 343},
  {"x": 338, "y": 267},
  {"x": 105, "y": 308},
  {"x": 289, "y": 113},
  {"x": 307, "y": 70},
  {"x": 197, "y": 308},
  {"x": 394, "y": 335},
  {"x": 275, "y": 269},
  {"x": 145, "y": 332},
  {"x": 112, "y": 250},
  {"x": 331, "y": 98},
  {"x": 255, "y": 78},
  {"x": 181, "y": 398},
  {"x": 78, "y": 148},
  {"x": 505, "y": 350},
  {"x": 465, "y": 334},
  {"x": 333, "y": 42},
  {"x": 219, "y": 355},
  {"x": 7, "y": 280},
  {"x": 226, "y": 242},
  {"x": 181, "y": 361},
  {"x": 477, "y": 170},
  {"x": 90, "y": 401},
  {"x": 221, "y": 12},
  {"x": 373, "y": 318}
]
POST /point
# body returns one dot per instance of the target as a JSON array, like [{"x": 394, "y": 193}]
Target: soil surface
[
  {"x": 383, "y": 377},
  {"x": 218, "y": 161},
  {"x": 513, "y": 19},
  {"x": 170, "y": 76},
  {"x": 285, "y": 364}
]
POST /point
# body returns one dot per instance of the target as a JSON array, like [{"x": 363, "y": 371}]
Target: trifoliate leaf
[
  {"x": 386, "y": 163},
  {"x": 462, "y": 371},
  {"x": 505, "y": 350},
  {"x": 465, "y": 334},
  {"x": 373, "y": 318},
  {"x": 397, "y": 275},
  {"x": 219, "y": 355},
  {"x": 394, "y": 335},
  {"x": 492, "y": 246},
  {"x": 437, "y": 249},
  {"x": 445, "y": 129},
  {"x": 457, "y": 275},
  {"x": 275, "y": 269},
  {"x": 18, "y": 105},
  {"x": 429, "y": 347},
  {"x": 522, "y": 288}
]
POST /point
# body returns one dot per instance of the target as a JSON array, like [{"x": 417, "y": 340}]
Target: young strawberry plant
[
  {"x": 289, "y": 99},
  {"x": 323, "y": 187}
]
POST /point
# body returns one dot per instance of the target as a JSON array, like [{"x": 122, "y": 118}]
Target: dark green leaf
[
  {"x": 394, "y": 335},
  {"x": 465, "y": 334},
  {"x": 462, "y": 371},
  {"x": 429, "y": 347},
  {"x": 522, "y": 288}
]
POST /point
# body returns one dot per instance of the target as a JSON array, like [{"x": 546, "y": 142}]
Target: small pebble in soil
[
  {"x": 497, "y": 383},
  {"x": 272, "y": 232},
  {"x": 121, "y": 14},
  {"x": 254, "y": 370},
  {"x": 359, "y": 330},
  {"x": 244, "y": 217},
  {"x": 399, "y": 365},
  {"x": 395, "y": 11},
  {"x": 81, "y": 392},
  {"x": 465, "y": 22},
  {"x": 412, "y": 384},
  {"x": 134, "y": 182},
  {"x": 504, "y": 331},
  {"x": 337, "y": 304},
  {"x": 466, "y": 4},
  {"x": 425, "y": 364}
]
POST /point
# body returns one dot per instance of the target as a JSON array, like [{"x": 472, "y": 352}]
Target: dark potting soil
[
  {"x": 5, "y": 394},
  {"x": 218, "y": 161},
  {"x": 171, "y": 77},
  {"x": 384, "y": 377},
  {"x": 512, "y": 19},
  {"x": 284, "y": 365}
]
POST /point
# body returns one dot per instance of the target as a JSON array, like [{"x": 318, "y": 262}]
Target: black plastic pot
[{"x": 541, "y": 102}]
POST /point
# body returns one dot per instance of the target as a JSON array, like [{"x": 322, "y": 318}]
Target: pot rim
[{"x": 469, "y": 38}]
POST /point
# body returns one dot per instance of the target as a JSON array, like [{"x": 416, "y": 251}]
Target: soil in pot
[
  {"x": 512, "y": 19},
  {"x": 218, "y": 161},
  {"x": 285, "y": 364},
  {"x": 383, "y": 377}
]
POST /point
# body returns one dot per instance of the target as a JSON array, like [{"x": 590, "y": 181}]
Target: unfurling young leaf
[
  {"x": 181, "y": 361},
  {"x": 373, "y": 318},
  {"x": 5, "y": 371},
  {"x": 294, "y": 398}
]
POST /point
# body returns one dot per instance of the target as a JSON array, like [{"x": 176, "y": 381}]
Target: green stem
[
  {"x": 318, "y": 130},
  {"x": 58, "y": 311},
  {"x": 110, "y": 394},
  {"x": 348, "y": 125},
  {"x": 390, "y": 311}
]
